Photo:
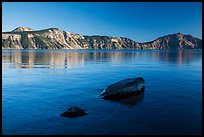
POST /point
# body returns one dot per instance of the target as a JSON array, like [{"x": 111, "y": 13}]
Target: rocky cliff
[
  {"x": 174, "y": 41},
  {"x": 54, "y": 38}
]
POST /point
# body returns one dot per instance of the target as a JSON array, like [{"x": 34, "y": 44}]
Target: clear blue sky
[{"x": 139, "y": 21}]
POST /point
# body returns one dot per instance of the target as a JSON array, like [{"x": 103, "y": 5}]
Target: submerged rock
[
  {"x": 74, "y": 112},
  {"x": 124, "y": 88}
]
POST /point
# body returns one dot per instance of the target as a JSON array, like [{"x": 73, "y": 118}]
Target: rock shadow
[{"x": 129, "y": 101}]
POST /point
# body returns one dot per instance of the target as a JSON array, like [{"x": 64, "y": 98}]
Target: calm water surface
[{"x": 39, "y": 85}]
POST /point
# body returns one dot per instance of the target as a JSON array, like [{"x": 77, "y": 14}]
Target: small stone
[{"x": 74, "y": 112}]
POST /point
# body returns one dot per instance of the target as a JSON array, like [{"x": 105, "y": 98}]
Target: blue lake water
[{"x": 39, "y": 85}]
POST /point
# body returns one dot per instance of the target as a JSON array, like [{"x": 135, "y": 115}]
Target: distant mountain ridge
[
  {"x": 22, "y": 29},
  {"x": 54, "y": 38}
]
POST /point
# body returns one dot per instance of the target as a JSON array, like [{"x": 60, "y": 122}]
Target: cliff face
[
  {"x": 174, "y": 41},
  {"x": 53, "y": 38},
  {"x": 44, "y": 39}
]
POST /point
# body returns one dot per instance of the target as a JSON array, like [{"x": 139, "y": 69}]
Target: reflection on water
[
  {"x": 65, "y": 59},
  {"x": 131, "y": 100}
]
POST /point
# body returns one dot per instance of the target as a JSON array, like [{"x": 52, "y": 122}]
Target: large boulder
[
  {"x": 124, "y": 88},
  {"x": 74, "y": 112}
]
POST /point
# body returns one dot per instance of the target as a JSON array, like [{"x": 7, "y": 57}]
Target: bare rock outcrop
[{"x": 124, "y": 88}]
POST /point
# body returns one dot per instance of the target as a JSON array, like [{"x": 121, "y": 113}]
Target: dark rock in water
[
  {"x": 124, "y": 88},
  {"x": 74, "y": 112}
]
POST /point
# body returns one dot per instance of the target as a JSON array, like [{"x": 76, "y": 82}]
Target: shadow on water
[
  {"x": 129, "y": 101},
  {"x": 65, "y": 59}
]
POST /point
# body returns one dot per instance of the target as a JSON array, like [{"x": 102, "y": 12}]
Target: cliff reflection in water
[{"x": 65, "y": 59}]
